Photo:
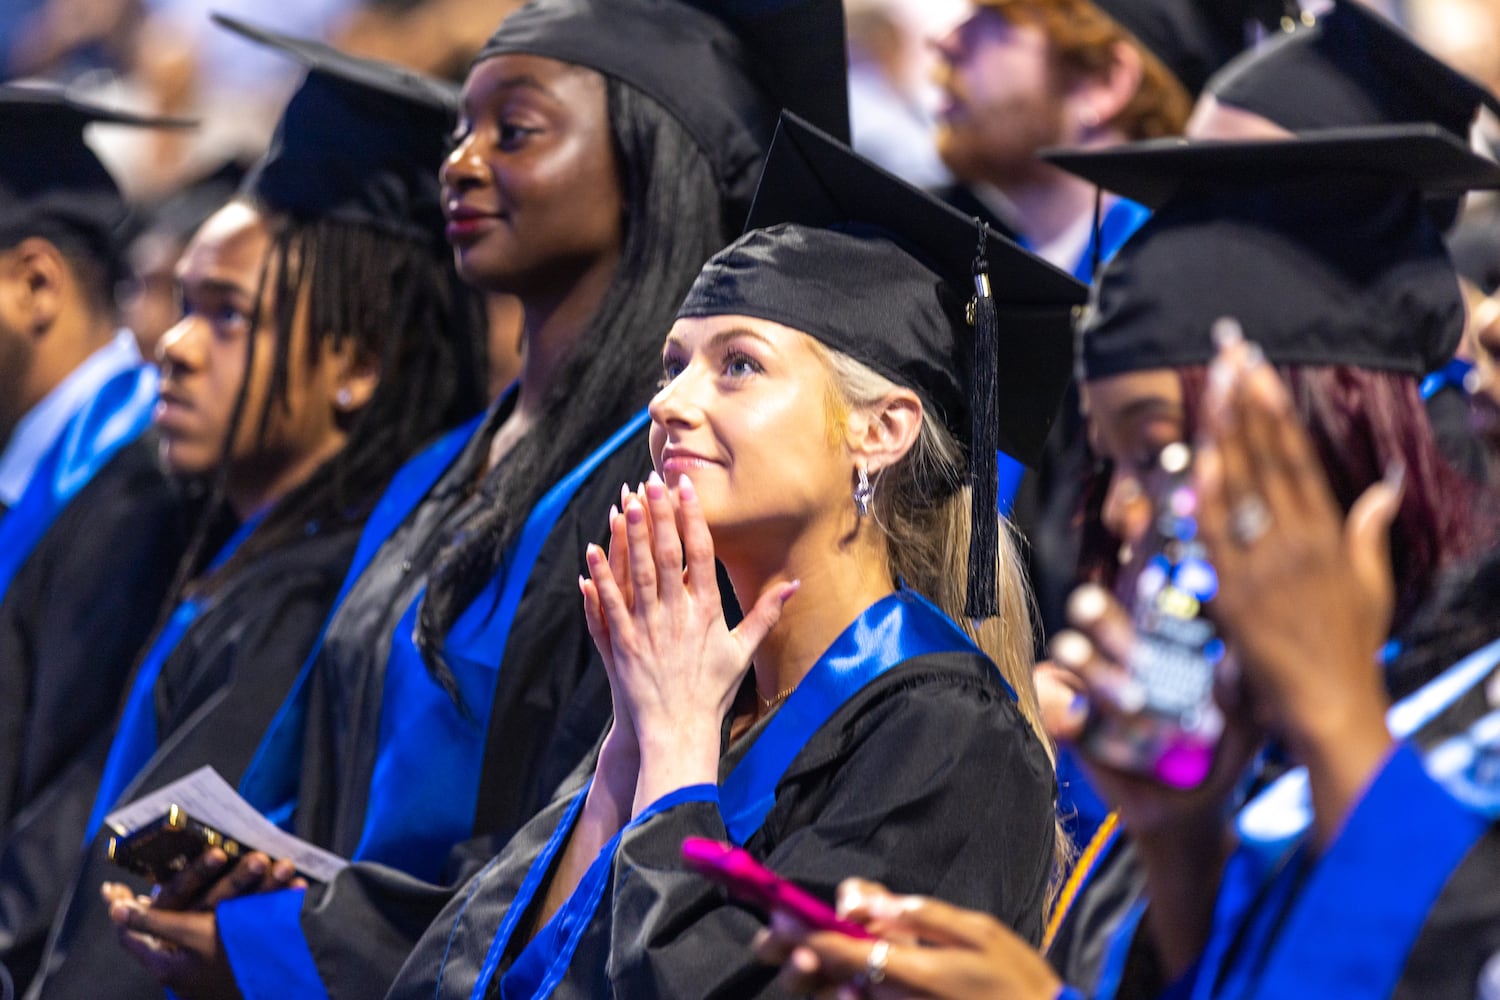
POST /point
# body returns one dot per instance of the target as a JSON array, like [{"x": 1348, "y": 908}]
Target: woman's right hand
[
  {"x": 932, "y": 950},
  {"x": 677, "y": 664},
  {"x": 1091, "y": 655}
]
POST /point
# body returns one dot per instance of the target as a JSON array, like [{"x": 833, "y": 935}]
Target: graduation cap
[
  {"x": 1420, "y": 157},
  {"x": 1177, "y": 32},
  {"x": 861, "y": 261},
  {"x": 360, "y": 141},
  {"x": 51, "y": 183},
  {"x": 723, "y": 68},
  {"x": 1352, "y": 67},
  {"x": 1320, "y": 247}
]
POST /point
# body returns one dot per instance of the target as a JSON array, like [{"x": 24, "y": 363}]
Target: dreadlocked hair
[
  {"x": 921, "y": 503},
  {"x": 398, "y": 302},
  {"x": 674, "y": 223}
]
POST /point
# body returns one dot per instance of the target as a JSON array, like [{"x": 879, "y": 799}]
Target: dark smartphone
[
  {"x": 167, "y": 845},
  {"x": 751, "y": 882},
  {"x": 1173, "y": 736}
]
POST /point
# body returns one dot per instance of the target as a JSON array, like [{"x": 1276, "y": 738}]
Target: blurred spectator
[
  {"x": 889, "y": 115},
  {"x": 437, "y": 37}
]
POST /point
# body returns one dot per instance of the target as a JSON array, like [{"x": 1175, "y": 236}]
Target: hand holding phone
[
  {"x": 163, "y": 848},
  {"x": 751, "y": 882}
]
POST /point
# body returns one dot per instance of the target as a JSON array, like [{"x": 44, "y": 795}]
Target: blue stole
[
  {"x": 425, "y": 783},
  {"x": 891, "y": 631},
  {"x": 270, "y": 782},
  {"x": 118, "y": 414},
  {"x": 1269, "y": 868},
  {"x": 136, "y": 737}
]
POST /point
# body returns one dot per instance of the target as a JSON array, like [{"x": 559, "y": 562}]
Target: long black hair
[
  {"x": 396, "y": 301},
  {"x": 674, "y": 223}
]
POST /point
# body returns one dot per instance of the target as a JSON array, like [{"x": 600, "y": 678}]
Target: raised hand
[
  {"x": 676, "y": 663},
  {"x": 1305, "y": 593}
]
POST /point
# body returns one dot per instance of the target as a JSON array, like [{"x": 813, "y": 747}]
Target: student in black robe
[
  {"x": 814, "y": 434},
  {"x": 601, "y": 160},
  {"x": 90, "y": 527},
  {"x": 326, "y": 337},
  {"x": 1368, "y": 302}
]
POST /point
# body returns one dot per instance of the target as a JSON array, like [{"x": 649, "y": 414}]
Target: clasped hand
[{"x": 654, "y": 610}]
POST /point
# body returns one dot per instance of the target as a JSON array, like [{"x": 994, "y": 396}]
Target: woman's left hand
[
  {"x": 677, "y": 662},
  {"x": 1305, "y": 593},
  {"x": 931, "y": 950},
  {"x": 180, "y": 946}
]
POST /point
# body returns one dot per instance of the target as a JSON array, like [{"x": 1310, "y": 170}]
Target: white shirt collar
[{"x": 36, "y": 432}]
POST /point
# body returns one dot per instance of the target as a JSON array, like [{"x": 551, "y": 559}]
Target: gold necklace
[{"x": 766, "y": 704}]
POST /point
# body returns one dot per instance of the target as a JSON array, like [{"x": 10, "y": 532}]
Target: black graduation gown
[
  {"x": 928, "y": 780},
  {"x": 218, "y": 692},
  {"x": 71, "y": 624},
  {"x": 550, "y": 706}
]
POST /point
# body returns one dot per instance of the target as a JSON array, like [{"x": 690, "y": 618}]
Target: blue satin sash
[
  {"x": 118, "y": 414},
  {"x": 270, "y": 782},
  {"x": 136, "y": 737},
  {"x": 891, "y": 631},
  {"x": 1268, "y": 867},
  {"x": 425, "y": 784}
]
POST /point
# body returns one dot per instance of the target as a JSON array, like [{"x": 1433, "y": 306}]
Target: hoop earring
[{"x": 863, "y": 494}]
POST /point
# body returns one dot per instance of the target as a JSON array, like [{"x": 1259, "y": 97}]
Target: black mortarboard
[
  {"x": 51, "y": 183},
  {"x": 723, "y": 69},
  {"x": 1421, "y": 157},
  {"x": 1352, "y": 67},
  {"x": 1177, "y": 32},
  {"x": 360, "y": 141},
  {"x": 1321, "y": 248},
  {"x": 876, "y": 269}
]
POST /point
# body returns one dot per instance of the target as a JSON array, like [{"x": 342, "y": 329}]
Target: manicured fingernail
[
  {"x": 685, "y": 487},
  {"x": 594, "y": 554},
  {"x": 1395, "y": 476},
  {"x": 656, "y": 491},
  {"x": 614, "y": 512},
  {"x": 1087, "y": 604},
  {"x": 1227, "y": 332},
  {"x": 1254, "y": 356},
  {"x": 255, "y": 866},
  {"x": 634, "y": 512},
  {"x": 624, "y": 493},
  {"x": 1071, "y": 649},
  {"x": 654, "y": 478}
]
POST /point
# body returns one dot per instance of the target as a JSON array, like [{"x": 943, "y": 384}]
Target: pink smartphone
[{"x": 751, "y": 882}]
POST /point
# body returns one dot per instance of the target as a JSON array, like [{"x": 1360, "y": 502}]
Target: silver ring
[
  {"x": 1249, "y": 520},
  {"x": 875, "y": 964}
]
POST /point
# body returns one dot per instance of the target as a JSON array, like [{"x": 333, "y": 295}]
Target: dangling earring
[{"x": 863, "y": 493}]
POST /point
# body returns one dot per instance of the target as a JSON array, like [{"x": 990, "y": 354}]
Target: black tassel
[{"x": 984, "y": 527}]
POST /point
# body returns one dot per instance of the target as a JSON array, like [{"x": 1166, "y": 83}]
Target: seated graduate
[
  {"x": 1408, "y": 856},
  {"x": 606, "y": 149},
  {"x": 90, "y": 527},
  {"x": 824, "y": 399},
  {"x": 1367, "y": 303},
  {"x": 326, "y": 338}
]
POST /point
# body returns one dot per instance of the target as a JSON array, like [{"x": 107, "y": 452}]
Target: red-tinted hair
[{"x": 1361, "y": 422}]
